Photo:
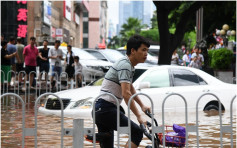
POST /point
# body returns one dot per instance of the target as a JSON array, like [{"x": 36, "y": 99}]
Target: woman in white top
[
  {"x": 186, "y": 59},
  {"x": 175, "y": 58}
]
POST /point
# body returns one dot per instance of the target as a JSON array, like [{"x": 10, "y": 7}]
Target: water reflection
[{"x": 49, "y": 127}]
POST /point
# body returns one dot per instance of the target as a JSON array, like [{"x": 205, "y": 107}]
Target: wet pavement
[{"x": 49, "y": 127}]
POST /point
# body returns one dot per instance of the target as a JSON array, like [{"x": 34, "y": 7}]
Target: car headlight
[
  {"x": 43, "y": 102},
  {"x": 82, "y": 104}
]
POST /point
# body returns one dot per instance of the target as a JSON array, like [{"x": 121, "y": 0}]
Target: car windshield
[
  {"x": 137, "y": 74},
  {"x": 112, "y": 55},
  {"x": 83, "y": 54},
  {"x": 123, "y": 51},
  {"x": 97, "y": 54}
]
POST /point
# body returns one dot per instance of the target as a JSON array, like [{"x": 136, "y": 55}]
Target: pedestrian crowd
[
  {"x": 20, "y": 62},
  {"x": 194, "y": 59}
]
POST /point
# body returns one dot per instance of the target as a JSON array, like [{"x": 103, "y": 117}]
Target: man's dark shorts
[
  {"x": 44, "y": 67},
  {"x": 106, "y": 121},
  {"x": 19, "y": 67},
  {"x": 31, "y": 69}
]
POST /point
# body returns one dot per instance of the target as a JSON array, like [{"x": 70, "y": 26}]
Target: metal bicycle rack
[
  {"x": 19, "y": 73},
  {"x": 50, "y": 83},
  {"x": 4, "y": 81},
  {"x": 154, "y": 129},
  {"x": 33, "y": 131},
  {"x": 40, "y": 81},
  {"x": 60, "y": 82},
  {"x": 228, "y": 129},
  {"x": 11, "y": 71},
  {"x": 24, "y": 130},
  {"x": 119, "y": 129},
  {"x": 219, "y": 116},
  {"x": 188, "y": 128},
  {"x": 32, "y": 72}
]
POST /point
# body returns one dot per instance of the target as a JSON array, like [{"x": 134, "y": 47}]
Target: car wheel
[{"x": 211, "y": 107}]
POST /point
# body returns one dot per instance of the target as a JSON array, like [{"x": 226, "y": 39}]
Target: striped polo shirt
[{"x": 121, "y": 71}]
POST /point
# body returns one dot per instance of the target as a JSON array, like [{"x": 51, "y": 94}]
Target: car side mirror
[{"x": 143, "y": 85}]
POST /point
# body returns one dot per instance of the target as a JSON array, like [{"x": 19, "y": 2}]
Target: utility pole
[{"x": 199, "y": 24}]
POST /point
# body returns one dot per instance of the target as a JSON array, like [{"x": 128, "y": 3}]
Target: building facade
[
  {"x": 97, "y": 23},
  {"x": 80, "y": 23},
  {"x": 51, "y": 20}
]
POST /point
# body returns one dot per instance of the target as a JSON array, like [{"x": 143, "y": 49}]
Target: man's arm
[
  {"x": 126, "y": 92},
  {"x": 51, "y": 56}
]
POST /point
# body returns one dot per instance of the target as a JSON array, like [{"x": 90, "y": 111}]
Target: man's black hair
[
  {"x": 69, "y": 46},
  {"x": 11, "y": 39},
  {"x": 57, "y": 41},
  {"x": 18, "y": 39},
  {"x": 3, "y": 43},
  {"x": 76, "y": 58},
  {"x": 46, "y": 41},
  {"x": 135, "y": 42},
  {"x": 32, "y": 38}
]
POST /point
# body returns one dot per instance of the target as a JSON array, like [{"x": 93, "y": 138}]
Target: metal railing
[
  {"x": 79, "y": 130},
  {"x": 129, "y": 120}
]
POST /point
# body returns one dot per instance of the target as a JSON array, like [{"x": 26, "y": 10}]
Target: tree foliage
[
  {"x": 182, "y": 16},
  {"x": 133, "y": 26}
]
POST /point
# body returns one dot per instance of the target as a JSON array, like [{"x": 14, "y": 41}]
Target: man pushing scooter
[{"x": 118, "y": 81}]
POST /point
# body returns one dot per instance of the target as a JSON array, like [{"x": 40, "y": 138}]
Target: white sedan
[{"x": 157, "y": 82}]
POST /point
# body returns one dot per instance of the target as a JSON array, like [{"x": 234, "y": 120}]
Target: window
[
  {"x": 85, "y": 42},
  {"x": 137, "y": 74},
  {"x": 98, "y": 55},
  {"x": 201, "y": 81},
  {"x": 185, "y": 78},
  {"x": 85, "y": 27},
  {"x": 158, "y": 78}
]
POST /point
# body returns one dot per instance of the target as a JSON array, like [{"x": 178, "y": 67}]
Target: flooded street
[{"x": 49, "y": 128}]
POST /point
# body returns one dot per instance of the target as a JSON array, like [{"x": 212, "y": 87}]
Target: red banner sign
[{"x": 22, "y": 16}]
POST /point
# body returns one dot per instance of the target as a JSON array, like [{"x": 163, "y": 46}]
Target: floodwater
[{"x": 49, "y": 128}]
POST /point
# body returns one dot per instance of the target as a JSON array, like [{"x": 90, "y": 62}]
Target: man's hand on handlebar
[{"x": 146, "y": 108}]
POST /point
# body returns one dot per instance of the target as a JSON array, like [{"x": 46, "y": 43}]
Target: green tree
[
  {"x": 133, "y": 26},
  {"x": 114, "y": 42},
  {"x": 151, "y": 34},
  {"x": 182, "y": 15}
]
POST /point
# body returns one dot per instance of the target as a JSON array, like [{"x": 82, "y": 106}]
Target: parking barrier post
[
  {"x": 186, "y": 118},
  {"x": 32, "y": 72},
  {"x": 154, "y": 130},
  {"x": 219, "y": 116},
  {"x": 24, "y": 73},
  {"x": 23, "y": 115},
  {"x": 67, "y": 82},
  {"x": 228, "y": 129},
  {"x": 119, "y": 129},
  {"x": 40, "y": 81},
  {"x": 3, "y": 86},
  {"x": 11, "y": 71},
  {"x": 231, "y": 120},
  {"x": 62, "y": 117}
]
